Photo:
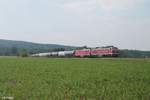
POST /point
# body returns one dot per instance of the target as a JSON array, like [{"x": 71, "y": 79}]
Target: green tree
[{"x": 24, "y": 53}]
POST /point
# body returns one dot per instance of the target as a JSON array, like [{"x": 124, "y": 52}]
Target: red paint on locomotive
[{"x": 82, "y": 53}]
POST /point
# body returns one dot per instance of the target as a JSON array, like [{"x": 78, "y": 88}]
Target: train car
[
  {"x": 41, "y": 54},
  {"x": 54, "y": 54},
  {"x": 114, "y": 51},
  {"x": 69, "y": 53},
  {"x": 104, "y": 51},
  {"x": 82, "y": 53},
  {"x": 61, "y": 53},
  {"x": 100, "y": 51},
  {"x": 65, "y": 53}
]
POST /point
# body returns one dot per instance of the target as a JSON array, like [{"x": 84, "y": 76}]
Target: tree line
[
  {"x": 24, "y": 52},
  {"x": 13, "y": 52}
]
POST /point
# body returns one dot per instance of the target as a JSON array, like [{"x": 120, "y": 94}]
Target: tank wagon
[
  {"x": 41, "y": 54},
  {"x": 54, "y": 54},
  {"x": 65, "y": 53},
  {"x": 110, "y": 51}
]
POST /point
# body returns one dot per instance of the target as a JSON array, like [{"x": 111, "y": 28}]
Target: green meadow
[{"x": 74, "y": 79}]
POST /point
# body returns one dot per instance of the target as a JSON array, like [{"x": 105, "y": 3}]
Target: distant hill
[{"x": 7, "y": 47}]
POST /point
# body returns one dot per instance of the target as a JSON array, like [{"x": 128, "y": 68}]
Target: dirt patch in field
[{"x": 12, "y": 82}]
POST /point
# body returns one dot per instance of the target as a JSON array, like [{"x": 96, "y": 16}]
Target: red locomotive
[{"x": 101, "y": 51}]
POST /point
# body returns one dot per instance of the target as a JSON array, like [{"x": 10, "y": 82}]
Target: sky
[{"x": 122, "y": 23}]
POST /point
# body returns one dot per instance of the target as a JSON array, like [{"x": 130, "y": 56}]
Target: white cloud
[
  {"x": 110, "y": 5},
  {"x": 104, "y": 5},
  {"x": 79, "y": 6}
]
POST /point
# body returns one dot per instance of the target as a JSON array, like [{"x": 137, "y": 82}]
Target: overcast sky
[{"x": 122, "y": 23}]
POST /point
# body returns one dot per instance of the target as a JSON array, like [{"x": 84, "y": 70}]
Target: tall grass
[{"x": 74, "y": 79}]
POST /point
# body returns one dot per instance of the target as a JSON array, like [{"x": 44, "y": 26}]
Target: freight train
[{"x": 109, "y": 51}]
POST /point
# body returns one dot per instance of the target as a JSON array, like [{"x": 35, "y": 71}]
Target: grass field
[{"x": 74, "y": 79}]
